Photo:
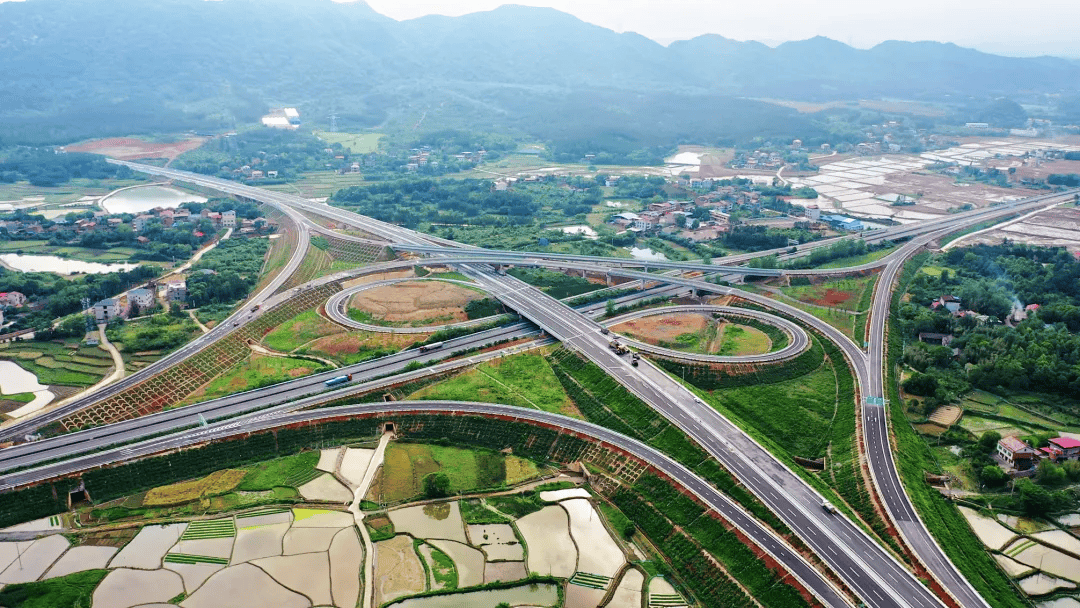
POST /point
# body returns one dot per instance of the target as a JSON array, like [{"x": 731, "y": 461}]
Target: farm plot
[
  {"x": 399, "y": 572},
  {"x": 990, "y": 532},
  {"x": 604, "y": 557},
  {"x": 440, "y": 520},
  {"x": 217, "y": 482},
  {"x": 551, "y": 550},
  {"x": 407, "y": 464},
  {"x": 413, "y": 303}
]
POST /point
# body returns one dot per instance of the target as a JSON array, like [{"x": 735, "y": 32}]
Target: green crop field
[
  {"x": 280, "y": 472},
  {"x": 356, "y": 143},
  {"x": 62, "y": 592},
  {"x": 407, "y": 464},
  {"x": 525, "y": 380}
]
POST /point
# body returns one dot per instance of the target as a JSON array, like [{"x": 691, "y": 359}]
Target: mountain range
[{"x": 76, "y": 68}]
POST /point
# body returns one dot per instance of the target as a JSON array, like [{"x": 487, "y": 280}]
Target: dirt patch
[
  {"x": 128, "y": 148},
  {"x": 663, "y": 328},
  {"x": 398, "y": 570},
  {"x": 352, "y": 343},
  {"x": 416, "y": 301},
  {"x": 832, "y": 297}
]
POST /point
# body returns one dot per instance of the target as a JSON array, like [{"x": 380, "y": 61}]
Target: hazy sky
[
  {"x": 1007, "y": 27},
  {"x": 997, "y": 26}
]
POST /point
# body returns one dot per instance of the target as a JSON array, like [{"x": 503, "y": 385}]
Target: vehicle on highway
[
  {"x": 338, "y": 380},
  {"x": 828, "y": 507},
  {"x": 433, "y": 346},
  {"x": 605, "y": 331}
]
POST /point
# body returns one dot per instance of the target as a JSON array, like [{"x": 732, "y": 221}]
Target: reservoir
[
  {"x": 144, "y": 198},
  {"x": 59, "y": 265}
]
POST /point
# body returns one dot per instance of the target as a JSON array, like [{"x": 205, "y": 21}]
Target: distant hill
[{"x": 78, "y": 68}]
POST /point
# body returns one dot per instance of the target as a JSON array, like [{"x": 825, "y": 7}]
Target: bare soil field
[
  {"x": 832, "y": 297},
  {"x": 1057, "y": 227},
  {"x": 129, "y": 148},
  {"x": 416, "y": 301},
  {"x": 665, "y": 328}
]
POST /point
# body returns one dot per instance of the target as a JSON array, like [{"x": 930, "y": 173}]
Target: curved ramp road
[
  {"x": 798, "y": 341},
  {"x": 337, "y": 309}
]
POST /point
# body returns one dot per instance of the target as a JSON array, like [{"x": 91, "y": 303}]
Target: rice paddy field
[
  {"x": 288, "y": 553},
  {"x": 66, "y": 363}
]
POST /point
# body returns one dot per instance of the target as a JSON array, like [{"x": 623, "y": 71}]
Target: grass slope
[{"x": 524, "y": 380}]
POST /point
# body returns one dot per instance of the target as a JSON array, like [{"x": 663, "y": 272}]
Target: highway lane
[
  {"x": 874, "y": 575},
  {"x": 69, "y": 444},
  {"x": 878, "y": 448}
]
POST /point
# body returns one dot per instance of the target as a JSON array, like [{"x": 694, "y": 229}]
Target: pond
[
  {"x": 14, "y": 380},
  {"x": 143, "y": 199},
  {"x": 647, "y": 254},
  {"x": 525, "y": 595},
  {"x": 59, "y": 265},
  {"x": 587, "y": 231}
]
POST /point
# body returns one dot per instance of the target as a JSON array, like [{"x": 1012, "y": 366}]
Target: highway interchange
[{"x": 872, "y": 574}]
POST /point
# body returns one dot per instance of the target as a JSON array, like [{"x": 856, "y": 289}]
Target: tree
[
  {"x": 1049, "y": 474},
  {"x": 992, "y": 476},
  {"x": 609, "y": 308},
  {"x": 989, "y": 440},
  {"x": 1034, "y": 500},
  {"x": 436, "y": 485},
  {"x": 680, "y": 220}
]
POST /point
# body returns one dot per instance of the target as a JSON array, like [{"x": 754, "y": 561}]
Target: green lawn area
[
  {"x": 300, "y": 330},
  {"x": 857, "y": 260},
  {"x": 795, "y": 413},
  {"x": 71, "y": 591},
  {"x": 524, "y": 380},
  {"x": 161, "y": 333},
  {"x": 743, "y": 340},
  {"x": 254, "y": 372},
  {"x": 289, "y": 471},
  {"x": 356, "y": 143},
  {"x": 105, "y": 256}
]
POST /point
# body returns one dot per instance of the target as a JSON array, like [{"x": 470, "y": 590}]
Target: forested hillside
[{"x": 79, "y": 68}]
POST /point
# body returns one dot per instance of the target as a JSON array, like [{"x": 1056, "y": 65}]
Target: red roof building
[{"x": 1064, "y": 448}]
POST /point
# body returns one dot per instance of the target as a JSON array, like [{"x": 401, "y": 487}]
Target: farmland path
[
  {"x": 194, "y": 317},
  {"x": 118, "y": 361},
  {"x": 358, "y": 517}
]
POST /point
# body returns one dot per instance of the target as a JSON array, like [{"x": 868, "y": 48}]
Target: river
[{"x": 51, "y": 263}]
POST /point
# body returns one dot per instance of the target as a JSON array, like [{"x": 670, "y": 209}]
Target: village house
[
  {"x": 1017, "y": 454},
  {"x": 1063, "y": 448},
  {"x": 935, "y": 338},
  {"x": 228, "y": 219},
  {"x": 107, "y": 310},
  {"x": 12, "y": 298},
  {"x": 139, "y": 222},
  {"x": 951, "y": 303},
  {"x": 141, "y": 297},
  {"x": 176, "y": 291}
]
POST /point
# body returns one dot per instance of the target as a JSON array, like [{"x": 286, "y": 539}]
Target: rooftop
[{"x": 1065, "y": 442}]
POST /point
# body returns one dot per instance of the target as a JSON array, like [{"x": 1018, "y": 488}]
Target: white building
[
  {"x": 228, "y": 219},
  {"x": 143, "y": 298},
  {"x": 176, "y": 291},
  {"x": 107, "y": 310}
]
